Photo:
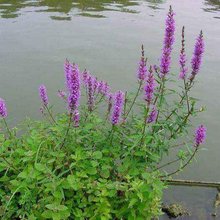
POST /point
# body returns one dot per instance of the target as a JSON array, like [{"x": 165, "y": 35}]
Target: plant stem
[
  {"x": 179, "y": 127},
  {"x": 134, "y": 100},
  {"x": 183, "y": 166},
  {"x": 145, "y": 124},
  {"x": 51, "y": 116},
  {"x": 169, "y": 163},
  {"x": 161, "y": 97},
  {"x": 6, "y": 125},
  {"x": 186, "y": 93},
  {"x": 67, "y": 131},
  {"x": 181, "y": 100},
  {"x": 10, "y": 165}
]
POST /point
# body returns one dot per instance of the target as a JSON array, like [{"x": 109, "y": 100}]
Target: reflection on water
[
  {"x": 154, "y": 4},
  {"x": 212, "y": 6},
  {"x": 65, "y": 8}
]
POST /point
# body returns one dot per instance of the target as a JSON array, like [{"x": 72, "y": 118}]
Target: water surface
[{"x": 105, "y": 37}]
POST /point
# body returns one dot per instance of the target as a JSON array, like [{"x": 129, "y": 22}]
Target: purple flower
[
  {"x": 90, "y": 90},
  {"x": 200, "y": 135},
  {"x": 62, "y": 94},
  {"x": 3, "y": 109},
  {"x": 103, "y": 88},
  {"x": 42, "y": 110},
  {"x": 85, "y": 76},
  {"x": 197, "y": 55},
  {"x": 117, "y": 107},
  {"x": 168, "y": 42},
  {"x": 182, "y": 59},
  {"x": 43, "y": 95},
  {"x": 142, "y": 69},
  {"x": 66, "y": 71},
  {"x": 76, "y": 118},
  {"x": 73, "y": 86},
  {"x": 149, "y": 87},
  {"x": 153, "y": 115},
  {"x": 95, "y": 84},
  {"x": 110, "y": 99}
]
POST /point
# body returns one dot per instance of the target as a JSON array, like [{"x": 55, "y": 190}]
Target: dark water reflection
[
  {"x": 66, "y": 8},
  {"x": 212, "y": 6}
]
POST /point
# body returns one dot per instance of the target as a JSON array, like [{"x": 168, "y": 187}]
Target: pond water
[{"x": 105, "y": 37}]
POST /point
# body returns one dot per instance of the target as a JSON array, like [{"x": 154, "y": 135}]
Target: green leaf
[
  {"x": 56, "y": 207},
  {"x": 97, "y": 155}
]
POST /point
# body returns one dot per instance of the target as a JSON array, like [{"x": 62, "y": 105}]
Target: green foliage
[{"x": 92, "y": 173}]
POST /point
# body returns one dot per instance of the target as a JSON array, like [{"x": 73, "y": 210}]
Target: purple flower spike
[
  {"x": 43, "y": 95},
  {"x": 95, "y": 84},
  {"x": 149, "y": 87},
  {"x": 153, "y": 115},
  {"x": 85, "y": 76},
  {"x": 168, "y": 43},
  {"x": 73, "y": 87},
  {"x": 117, "y": 107},
  {"x": 3, "y": 109},
  {"x": 90, "y": 90},
  {"x": 182, "y": 58},
  {"x": 62, "y": 94},
  {"x": 200, "y": 135},
  {"x": 103, "y": 88},
  {"x": 197, "y": 56},
  {"x": 76, "y": 118},
  {"x": 142, "y": 69}
]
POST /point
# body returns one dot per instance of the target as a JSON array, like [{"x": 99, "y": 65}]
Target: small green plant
[{"x": 86, "y": 164}]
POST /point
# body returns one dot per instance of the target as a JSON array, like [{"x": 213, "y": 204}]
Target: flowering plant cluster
[{"x": 86, "y": 164}]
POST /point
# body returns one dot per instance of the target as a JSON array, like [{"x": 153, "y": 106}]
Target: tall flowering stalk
[
  {"x": 76, "y": 118},
  {"x": 110, "y": 103},
  {"x": 90, "y": 90},
  {"x": 43, "y": 95},
  {"x": 153, "y": 115},
  {"x": 168, "y": 43},
  {"x": 72, "y": 75},
  {"x": 73, "y": 87},
  {"x": 182, "y": 58},
  {"x": 149, "y": 87},
  {"x": 44, "y": 99},
  {"x": 103, "y": 88},
  {"x": 3, "y": 109},
  {"x": 117, "y": 108},
  {"x": 197, "y": 56},
  {"x": 4, "y": 114},
  {"x": 141, "y": 75},
  {"x": 142, "y": 68},
  {"x": 200, "y": 135},
  {"x": 62, "y": 94}
]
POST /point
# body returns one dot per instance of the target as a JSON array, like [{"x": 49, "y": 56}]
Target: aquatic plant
[{"x": 102, "y": 158}]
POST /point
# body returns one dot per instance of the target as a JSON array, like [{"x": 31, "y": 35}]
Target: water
[{"x": 105, "y": 37}]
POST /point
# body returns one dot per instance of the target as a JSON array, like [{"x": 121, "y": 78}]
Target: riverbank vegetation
[{"x": 102, "y": 158}]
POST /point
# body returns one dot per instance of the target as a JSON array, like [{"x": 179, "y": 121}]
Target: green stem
[
  {"x": 10, "y": 165},
  {"x": 169, "y": 163},
  {"x": 188, "y": 87},
  {"x": 186, "y": 93},
  {"x": 184, "y": 165},
  {"x": 145, "y": 124},
  {"x": 179, "y": 127},
  {"x": 67, "y": 131},
  {"x": 134, "y": 100},
  {"x": 6, "y": 125},
  {"x": 50, "y": 114}
]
